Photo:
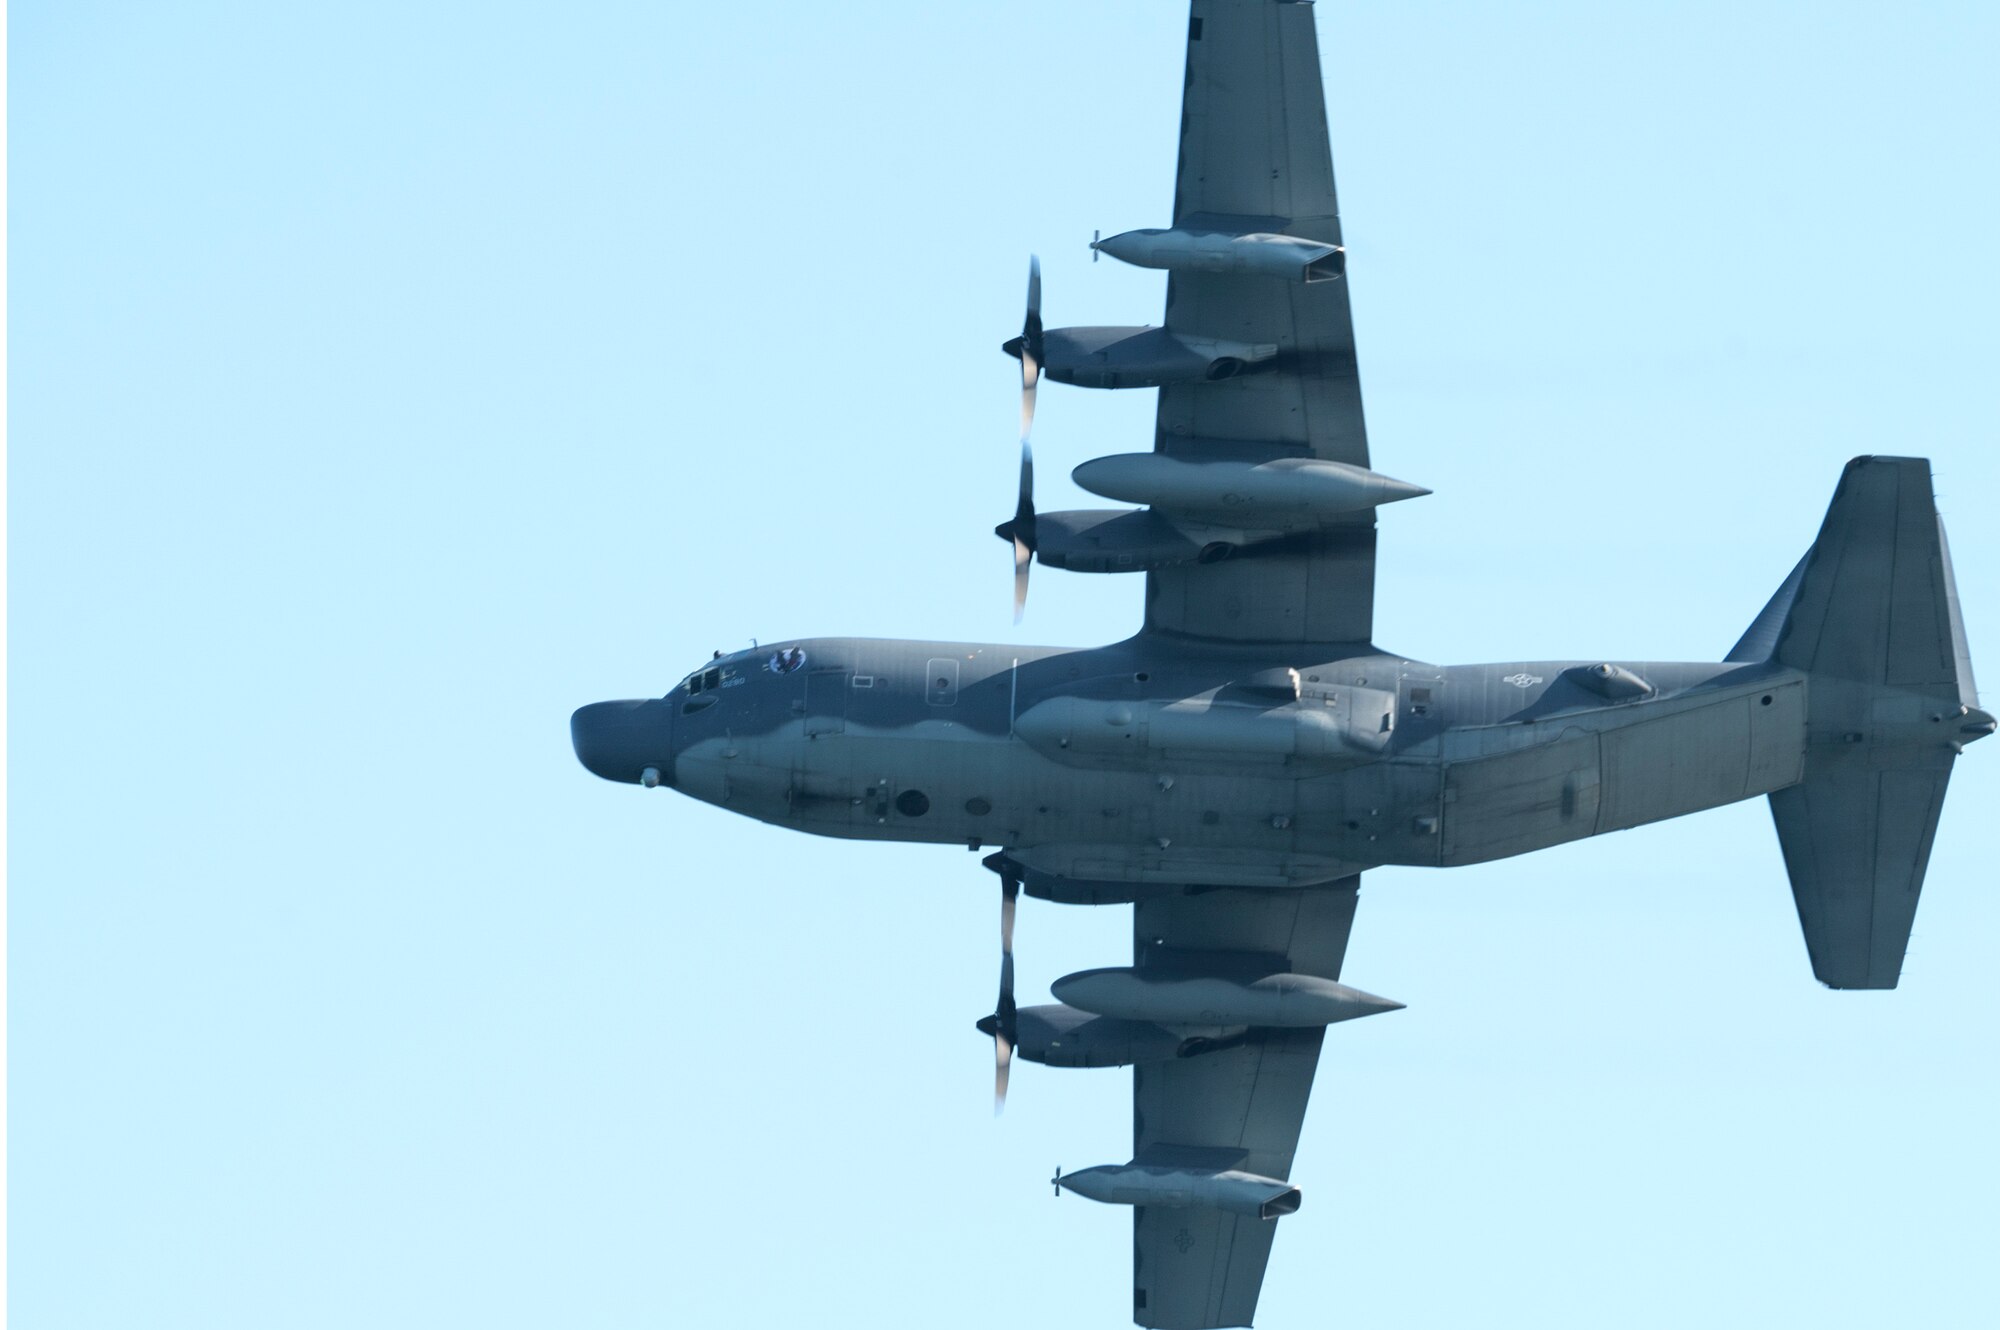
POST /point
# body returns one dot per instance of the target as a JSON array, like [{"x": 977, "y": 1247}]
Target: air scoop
[
  {"x": 1288, "y": 493},
  {"x": 1287, "y": 1000}
]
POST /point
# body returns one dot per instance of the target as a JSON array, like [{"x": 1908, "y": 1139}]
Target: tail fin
[
  {"x": 1871, "y": 616},
  {"x": 1760, "y": 639}
]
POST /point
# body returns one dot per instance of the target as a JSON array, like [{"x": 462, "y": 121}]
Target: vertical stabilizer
[
  {"x": 1871, "y": 616},
  {"x": 1875, "y": 601}
]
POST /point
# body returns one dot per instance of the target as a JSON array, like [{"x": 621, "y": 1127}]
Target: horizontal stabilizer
[
  {"x": 1856, "y": 844},
  {"x": 1871, "y": 616}
]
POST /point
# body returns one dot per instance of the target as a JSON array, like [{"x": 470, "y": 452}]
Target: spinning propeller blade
[
  {"x": 1001, "y": 1023},
  {"x": 1031, "y": 346},
  {"x": 1020, "y": 531},
  {"x": 1003, "y": 1012}
]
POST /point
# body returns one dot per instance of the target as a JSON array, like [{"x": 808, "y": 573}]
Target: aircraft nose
[{"x": 622, "y": 741}]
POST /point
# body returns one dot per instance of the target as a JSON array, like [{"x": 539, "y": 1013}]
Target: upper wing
[
  {"x": 1254, "y": 157},
  {"x": 1237, "y": 1107}
]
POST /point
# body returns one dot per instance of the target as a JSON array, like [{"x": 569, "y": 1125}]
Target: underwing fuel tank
[
  {"x": 1338, "y": 726},
  {"x": 1285, "y": 494},
  {"x": 1228, "y": 1190},
  {"x": 1294, "y": 1001},
  {"x": 1259, "y": 253}
]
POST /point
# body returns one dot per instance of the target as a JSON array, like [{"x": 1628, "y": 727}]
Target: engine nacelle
[
  {"x": 1063, "y": 1036},
  {"x": 1259, "y": 253},
  {"x": 1173, "y": 866},
  {"x": 1229, "y": 1190},
  {"x": 1069, "y": 890},
  {"x": 1142, "y": 357},
  {"x": 1112, "y": 540}
]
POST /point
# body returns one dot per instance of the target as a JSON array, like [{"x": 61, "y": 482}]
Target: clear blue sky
[{"x": 388, "y": 380}]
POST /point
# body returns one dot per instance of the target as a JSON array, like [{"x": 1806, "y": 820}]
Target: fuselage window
[
  {"x": 711, "y": 678},
  {"x": 942, "y": 688}
]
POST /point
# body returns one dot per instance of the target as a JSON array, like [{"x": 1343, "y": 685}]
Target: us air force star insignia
[
  {"x": 1183, "y": 1240},
  {"x": 1523, "y": 680}
]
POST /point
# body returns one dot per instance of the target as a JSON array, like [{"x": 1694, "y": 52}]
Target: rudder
[{"x": 1874, "y": 600}]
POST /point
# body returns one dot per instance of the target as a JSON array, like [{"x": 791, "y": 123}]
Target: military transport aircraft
[{"x": 1234, "y": 768}]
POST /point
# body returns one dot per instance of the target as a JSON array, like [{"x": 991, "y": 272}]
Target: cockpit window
[{"x": 702, "y": 681}]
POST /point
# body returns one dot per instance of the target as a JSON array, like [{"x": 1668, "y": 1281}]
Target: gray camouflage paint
[
  {"x": 1137, "y": 763},
  {"x": 1226, "y": 751}
]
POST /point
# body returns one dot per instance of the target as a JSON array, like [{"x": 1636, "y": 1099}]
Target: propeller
[
  {"x": 1001, "y": 1023},
  {"x": 1031, "y": 346},
  {"x": 1021, "y": 529}
]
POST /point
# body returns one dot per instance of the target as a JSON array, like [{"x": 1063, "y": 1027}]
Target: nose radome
[{"x": 621, "y": 740}]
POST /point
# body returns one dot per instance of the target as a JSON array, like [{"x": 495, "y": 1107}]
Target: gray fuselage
[{"x": 1155, "y": 761}]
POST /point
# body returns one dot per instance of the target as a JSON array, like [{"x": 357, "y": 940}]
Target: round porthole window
[
  {"x": 913, "y": 803},
  {"x": 978, "y": 807}
]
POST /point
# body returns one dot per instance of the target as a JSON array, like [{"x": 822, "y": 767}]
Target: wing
[
  {"x": 1238, "y": 1107},
  {"x": 1254, "y": 157}
]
